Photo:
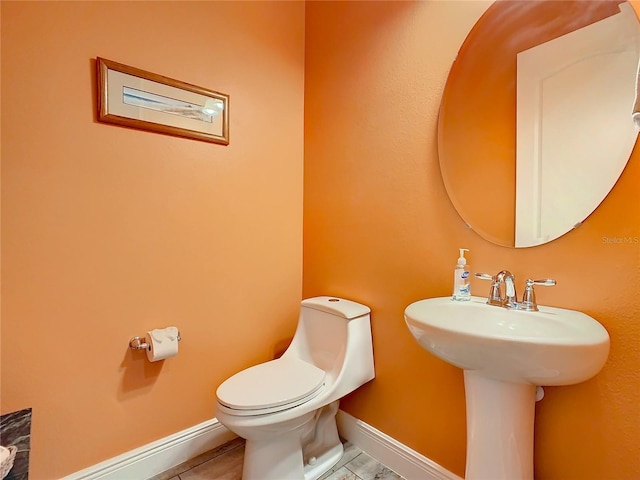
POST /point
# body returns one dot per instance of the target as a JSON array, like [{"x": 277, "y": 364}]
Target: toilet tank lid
[{"x": 337, "y": 306}]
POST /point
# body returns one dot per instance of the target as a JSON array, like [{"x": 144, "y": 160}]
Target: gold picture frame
[{"x": 135, "y": 98}]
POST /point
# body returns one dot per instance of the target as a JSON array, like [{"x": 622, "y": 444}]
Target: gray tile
[
  {"x": 341, "y": 474},
  {"x": 173, "y": 473},
  {"x": 369, "y": 468},
  {"x": 223, "y": 467},
  {"x": 350, "y": 452},
  {"x": 225, "y": 463}
]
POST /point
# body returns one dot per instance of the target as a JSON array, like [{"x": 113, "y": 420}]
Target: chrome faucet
[
  {"x": 496, "y": 297},
  {"x": 510, "y": 299}
]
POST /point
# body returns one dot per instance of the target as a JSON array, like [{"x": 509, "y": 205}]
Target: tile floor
[{"x": 225, "y": 463}]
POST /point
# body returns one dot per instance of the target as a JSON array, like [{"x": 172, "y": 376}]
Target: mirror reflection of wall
[{"x": 575, "y": 131}]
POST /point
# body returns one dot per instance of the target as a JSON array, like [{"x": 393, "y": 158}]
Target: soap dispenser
[{"x": 461, "y": 285}]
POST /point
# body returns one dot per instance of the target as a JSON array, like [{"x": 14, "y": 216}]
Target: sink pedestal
[{"x": 499, "y": 428}]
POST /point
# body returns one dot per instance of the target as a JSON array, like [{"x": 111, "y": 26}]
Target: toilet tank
[{"x": 334, "y": 334}]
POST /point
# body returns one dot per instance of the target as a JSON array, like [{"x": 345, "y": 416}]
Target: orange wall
[
  {"x": 379, "y": 228},
  {"x": 109, "y": 232}
]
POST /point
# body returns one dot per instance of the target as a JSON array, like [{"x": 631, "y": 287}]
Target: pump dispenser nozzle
[{"x": 461, "y": 259}]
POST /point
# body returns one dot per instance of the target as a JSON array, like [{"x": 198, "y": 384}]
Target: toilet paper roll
[{"x": 163, "y": 343}]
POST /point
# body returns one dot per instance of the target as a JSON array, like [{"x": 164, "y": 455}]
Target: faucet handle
[
  {"x": 485, "y": 276},
  {"x": 547, "y": 282},
  {"x": 495, "y": 294},
  {"x": 529, "y": 297}
]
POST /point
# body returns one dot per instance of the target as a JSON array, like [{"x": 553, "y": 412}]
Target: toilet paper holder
[{"x": 140, "y": 343}]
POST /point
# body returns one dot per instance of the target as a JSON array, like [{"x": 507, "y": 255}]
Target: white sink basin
[
  {"x": 553, "y": 346},
  {"x": 505, "y": 355}
]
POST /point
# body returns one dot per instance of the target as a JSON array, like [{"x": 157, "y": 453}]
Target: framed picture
[{"x": 134, "y": 98}]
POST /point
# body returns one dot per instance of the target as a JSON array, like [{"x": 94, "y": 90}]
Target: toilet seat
[{"x": 270, "y": 387}]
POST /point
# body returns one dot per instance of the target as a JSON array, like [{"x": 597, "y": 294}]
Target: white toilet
[{"x": 286, "y": 408}]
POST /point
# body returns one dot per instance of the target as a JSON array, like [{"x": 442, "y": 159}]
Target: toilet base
[
  {"x": 273, "y": 452},
  {"x": 281, "y": 460},
  {"x": 323, "y": 463},
  {"x": 302, "y": 448},
  {"x": 323, "y": 448}
]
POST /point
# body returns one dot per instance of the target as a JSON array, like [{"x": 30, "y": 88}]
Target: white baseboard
[
  {"x": 398, "y": 457},
  {"x": 161, "y": 455},
  {"x": 166, "y": 453}
]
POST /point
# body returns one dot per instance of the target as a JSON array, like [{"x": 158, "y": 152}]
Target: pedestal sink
[{"x": 505, "y": 355}]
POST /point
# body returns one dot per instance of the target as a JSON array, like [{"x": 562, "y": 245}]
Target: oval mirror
[{"x": 535, "y": 125}]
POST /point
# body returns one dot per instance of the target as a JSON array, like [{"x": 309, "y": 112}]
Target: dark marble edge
[{"x": 15, "y": 429}]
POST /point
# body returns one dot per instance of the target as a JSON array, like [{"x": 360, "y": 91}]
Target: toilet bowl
[{"x": 285, "y": 409}]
